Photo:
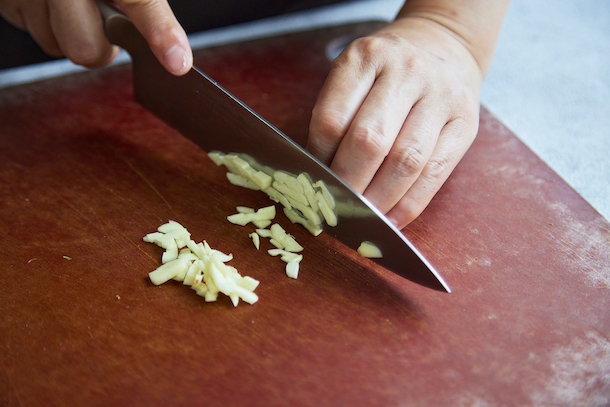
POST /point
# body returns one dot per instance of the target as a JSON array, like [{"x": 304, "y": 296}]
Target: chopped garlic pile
[
  {"x": 305, "y": 202},
  {"x": 199, "y": 266},
  {"x": 286, "y": 246}
]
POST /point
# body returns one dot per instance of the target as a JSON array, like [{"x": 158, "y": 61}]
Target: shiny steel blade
[{"x": 204, "y": 112}]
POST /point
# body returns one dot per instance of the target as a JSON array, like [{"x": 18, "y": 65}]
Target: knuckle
[
  {"x": 325, "y": 133},
  {"x": 367, "y": 140},
  {"x": 363, "y": 52},
  {"x": 327, "y": 125},
  {"x": 369, "y": 45},
  {"x": 407, "y": 161},
  {"x": 385, "y": 50},
  {"x": 50, "y": 46},
  {"x": 438, "y": 169},
  {"x": 372, "y": 44},
  {"x": 86, "y": 55},
  {"x": 156, "y": 38}
]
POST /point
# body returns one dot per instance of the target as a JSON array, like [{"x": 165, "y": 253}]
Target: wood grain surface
[{"x": 85, "y": 173}]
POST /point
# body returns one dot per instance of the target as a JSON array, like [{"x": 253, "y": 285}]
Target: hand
[
  {"x": 74, "y": 29},
  {"x": 398, "y": 111}
]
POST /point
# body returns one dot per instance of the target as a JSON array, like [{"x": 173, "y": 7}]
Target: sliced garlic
[
  {"x": 295, "y": 217},
  {"x": 244, "y": 169},
  {"x": 240, "y": 181},
  {"x": 278, "y": 197},
  {"x": 261, "y": 179},
  {"x": 200, "y": 266},
  {"x": 168, "y": 271},
  {"x": 261, "y": 218},
  {"x": 307, "y": 211},
  {"x": 283, "y": 240},
  {"x": 228, "y": 162},
  {"x": 289, "y": 180},
  {"x": 292, "y": 268},
  {"x": 368, "y": 249},
  {"x": 328, "y": 197},
  {"x": 244, "y": 209},
  {"x": 329, "y": 215},
  {"x": 217, "y": 157},
  {"x": 285, "y": 255},
  {"x": 308, "y": 190},
  {"x": 263, "y": 232},
  {"x": 289, "y": 192},
  {"x": 240, "y": 219},
  {"x": 256, "y": 239}
]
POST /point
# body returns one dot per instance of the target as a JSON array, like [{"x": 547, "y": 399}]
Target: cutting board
[{"x": 85, "y": 173}]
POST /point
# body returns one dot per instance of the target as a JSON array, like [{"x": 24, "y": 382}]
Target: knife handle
[
  {"x": 109, "y": 9},
  {"x": 118, "y": 27}
]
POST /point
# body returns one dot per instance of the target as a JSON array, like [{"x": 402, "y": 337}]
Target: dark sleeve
[
  {"x": 17, "y": 47},
  {"x": 199, "y": 15}
]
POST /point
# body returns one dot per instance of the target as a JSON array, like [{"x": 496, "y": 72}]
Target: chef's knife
[{"x": 201, "y": 110}]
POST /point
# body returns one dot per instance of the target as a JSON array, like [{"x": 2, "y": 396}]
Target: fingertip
[
  {"x": 178, "y": 60},
  {"x": 404, "y": 213},
  {"x": 393, "y": 222}
]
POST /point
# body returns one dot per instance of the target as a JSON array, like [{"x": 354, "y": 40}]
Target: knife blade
[{"x": 203, "y": 111}]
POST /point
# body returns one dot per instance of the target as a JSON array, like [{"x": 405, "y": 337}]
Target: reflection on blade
[{"x": 333, "y": 208}]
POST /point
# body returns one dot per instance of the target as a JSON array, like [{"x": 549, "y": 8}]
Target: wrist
[
  {"x": 473, "y": 23},
  {"x": 435, "y": 39}
]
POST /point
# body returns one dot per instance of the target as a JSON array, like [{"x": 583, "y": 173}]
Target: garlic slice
[{"x": 368, "y": 249}]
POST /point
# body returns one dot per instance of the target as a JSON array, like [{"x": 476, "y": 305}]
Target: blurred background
[{"x": 549, "y": 82}]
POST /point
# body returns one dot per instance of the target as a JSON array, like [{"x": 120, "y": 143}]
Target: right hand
[{"x": 74, "y": 29}]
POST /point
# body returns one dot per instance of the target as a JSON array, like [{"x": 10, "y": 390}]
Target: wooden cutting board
[{"x": 85, "y": 173}]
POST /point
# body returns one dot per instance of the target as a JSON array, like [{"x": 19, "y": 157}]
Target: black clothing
[{"x": 18, "y": 48}]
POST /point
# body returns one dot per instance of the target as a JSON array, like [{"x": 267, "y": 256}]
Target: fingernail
[{"x": 176, "y": 60}]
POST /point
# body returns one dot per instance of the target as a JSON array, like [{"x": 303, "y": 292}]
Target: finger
[
  {"x": 340, "y": 98},
  {"x": 374, "y": 129},
  {"x": 454, "y": 140},
  {"x": 78, "y": 27},
  {"x": 34, "y": 18},
  {"x": 11, "y": 11},
  {"x": 166, "y": 37},
  {"x": 408, "y": 155}
]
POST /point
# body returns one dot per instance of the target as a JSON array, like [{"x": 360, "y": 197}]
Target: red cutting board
[{"x": 85, "y": 173}]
